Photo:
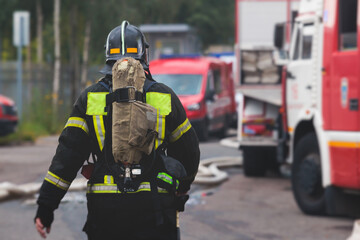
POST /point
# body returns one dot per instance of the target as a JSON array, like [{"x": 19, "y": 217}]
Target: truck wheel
[
  {"x": 306, "y": 177},
  {"x": 254, "y": 162},
  {"x": 203, "y": 131}
]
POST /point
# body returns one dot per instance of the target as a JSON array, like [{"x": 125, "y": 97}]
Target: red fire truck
[
  {"x": 205, "y": 88},
  {"x": 318, "y": 131}
]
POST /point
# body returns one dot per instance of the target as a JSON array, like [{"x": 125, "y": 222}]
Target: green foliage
[
  {"x": 38, "y": 120},
  {"x": 39, "y": 112},
  {"x": 213, "y": 19}
]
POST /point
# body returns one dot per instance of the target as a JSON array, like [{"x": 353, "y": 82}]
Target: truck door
[
  {"x": 341, "y": 95},
  {"x": 343, "y": 72},
  {"x": 300, "y": 72},
  {"x": 213, "y": 104}
]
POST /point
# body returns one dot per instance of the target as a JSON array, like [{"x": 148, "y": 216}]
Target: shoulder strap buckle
[{"x": 126, "y": 94}]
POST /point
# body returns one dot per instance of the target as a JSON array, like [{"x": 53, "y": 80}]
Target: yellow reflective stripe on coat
[
  {"x": 160, "y": 128},
  {"x": 57, "y": 181},
  {"x": 180, "y": 130},
  {"x": 108, "y": 179},
  {"x": 113, "y": 188},
  {"x": 77, "y": 122},
  {"x": 96, "y": 103},
  {"x": 99, "y": 130},
  {"x": 160, "y": 101}
]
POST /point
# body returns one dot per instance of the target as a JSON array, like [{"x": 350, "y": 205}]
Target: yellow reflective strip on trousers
[
  {"x": 77, "y": 122},
  {"x": 180, "y": 130},
  {"x": 96, "y": 103},
  {"x": 161, "y": 101},
  {"x": 99, "y": 130}
]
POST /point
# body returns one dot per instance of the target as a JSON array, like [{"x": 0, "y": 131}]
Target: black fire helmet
[{"x": 125, "y": 40}]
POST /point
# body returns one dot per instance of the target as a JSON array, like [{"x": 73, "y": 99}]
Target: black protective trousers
[{"x": 129, "y": 217}]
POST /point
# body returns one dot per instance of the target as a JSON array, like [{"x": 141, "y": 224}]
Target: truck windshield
[{"x": 181, "y": 84}]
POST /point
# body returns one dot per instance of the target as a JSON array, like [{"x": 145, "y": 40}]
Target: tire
[
  {"x": 306, "y": 176},
  {"x": 254, "y": 163},
  {"x": 203, "y": 131}
]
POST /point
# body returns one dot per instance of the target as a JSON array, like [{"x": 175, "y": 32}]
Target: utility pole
[{"x": 21, "y": 23}]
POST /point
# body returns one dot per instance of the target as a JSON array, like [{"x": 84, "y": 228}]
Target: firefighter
[{"x": 149, "y": 210}]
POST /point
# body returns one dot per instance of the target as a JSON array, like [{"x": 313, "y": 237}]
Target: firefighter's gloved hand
[
  {"x": 180, "y": 201},
  {"x": 43, "y": 219},
  {"x": 46, "y": 215}
]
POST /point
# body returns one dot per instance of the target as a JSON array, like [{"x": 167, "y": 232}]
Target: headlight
[{"x": 194, "y": 107}]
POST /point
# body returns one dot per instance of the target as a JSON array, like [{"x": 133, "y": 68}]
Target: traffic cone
[{"x": 355, "y": 235}]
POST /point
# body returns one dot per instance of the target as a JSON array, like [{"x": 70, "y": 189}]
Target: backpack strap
[
  {"x": 105, "y": 83},
  {"x": 123, "y": 95},
  {"x": 148, "y": 83}
]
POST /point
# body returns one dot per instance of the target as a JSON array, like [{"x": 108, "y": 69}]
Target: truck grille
[{"x": 9, "y": 110}]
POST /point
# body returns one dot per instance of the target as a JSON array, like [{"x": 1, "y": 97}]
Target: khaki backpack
[{"x": 133, "y": 121}]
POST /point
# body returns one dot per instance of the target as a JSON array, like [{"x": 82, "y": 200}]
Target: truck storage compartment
[{"x": 258, "y": 67}]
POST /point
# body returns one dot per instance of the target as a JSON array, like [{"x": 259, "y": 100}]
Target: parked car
[
  {"x": 204, "y": 86},
  {"x": 8, "y": 116}
]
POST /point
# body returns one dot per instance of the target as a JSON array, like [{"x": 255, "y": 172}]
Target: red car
[
  {"x": 8, "y": 116},
  {"x": 205, "y": 88}
]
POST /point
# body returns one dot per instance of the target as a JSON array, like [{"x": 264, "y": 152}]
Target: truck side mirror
[{"x": 279, "y": 35}]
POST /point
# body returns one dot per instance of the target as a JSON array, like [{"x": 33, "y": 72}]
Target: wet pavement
[{"x": 238, "y": 209}]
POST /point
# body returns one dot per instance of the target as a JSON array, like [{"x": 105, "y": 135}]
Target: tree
[
  {"x": 57, "y": 63},
  {"x": 86, "y": 46},
  {"x": 39, "y": 32}
]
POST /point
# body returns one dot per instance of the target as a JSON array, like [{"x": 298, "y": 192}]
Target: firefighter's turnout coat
[{"x": 85, "y": 133}]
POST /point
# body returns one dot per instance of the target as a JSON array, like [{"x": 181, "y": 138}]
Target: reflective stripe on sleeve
[
  {"x": 57, "y": 181},
  {"x": 99, "y": 127},
  {"x": 180, "y": 130},
  {"x": 167, "y": 178},
  {"x": 77, "y": 122},
  {"x": 112, "y": 188}
]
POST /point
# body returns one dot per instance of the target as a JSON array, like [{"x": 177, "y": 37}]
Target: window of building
[{"x": 347, "y": 24}]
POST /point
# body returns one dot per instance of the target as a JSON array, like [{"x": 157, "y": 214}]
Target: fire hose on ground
[{"x": 208, "y": 173}]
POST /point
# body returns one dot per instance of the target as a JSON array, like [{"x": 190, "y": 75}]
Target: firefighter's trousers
[{"x": 130, "y": 216}]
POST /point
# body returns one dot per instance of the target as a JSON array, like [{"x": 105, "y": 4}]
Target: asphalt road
[{"x": 239, "y": 209}]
